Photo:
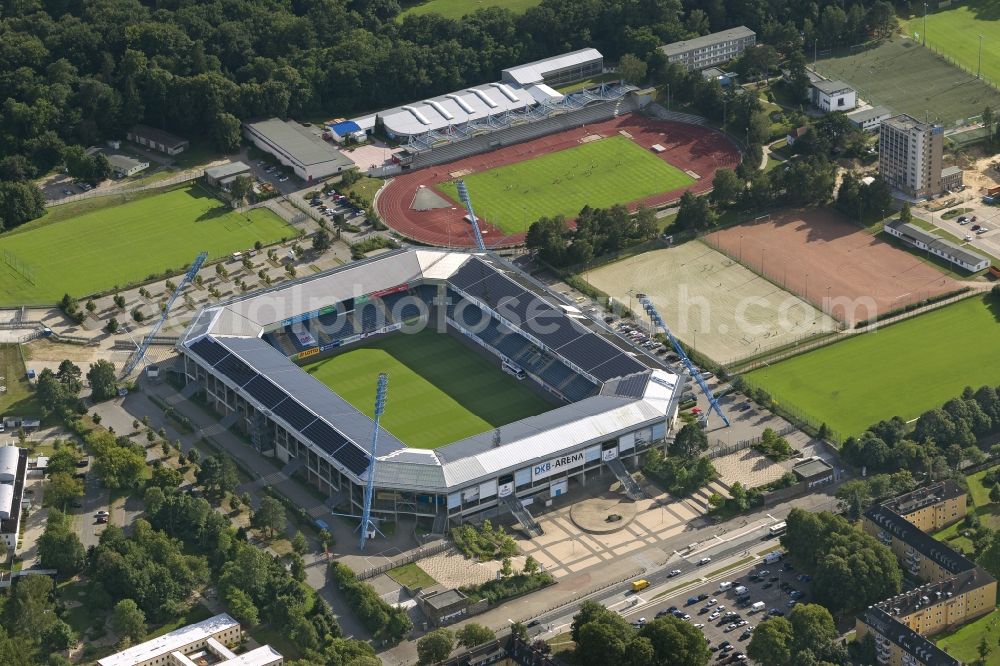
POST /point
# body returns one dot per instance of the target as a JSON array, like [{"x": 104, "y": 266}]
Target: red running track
[{"x": 689, "y": 147}]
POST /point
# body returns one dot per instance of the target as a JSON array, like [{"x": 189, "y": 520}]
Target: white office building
[
  {"x": 206, "y": 642},
  {"x": 830, "y": 96},
  {"x": 713, "y": 49}
]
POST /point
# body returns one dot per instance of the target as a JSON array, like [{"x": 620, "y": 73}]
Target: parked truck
[{"x": 993, "y": 191}]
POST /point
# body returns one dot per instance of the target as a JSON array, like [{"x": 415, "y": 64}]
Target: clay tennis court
[
  {"x": 831, "y": 263},
  {"x": 711, "y": 302},
  {"x": 692, "y": 148}
]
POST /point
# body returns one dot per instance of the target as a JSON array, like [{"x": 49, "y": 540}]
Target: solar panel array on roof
[
  {"x": 236, "y": 370},
  {"x": 549, "y": 325},
  {"x": 265, "y": 392},
  {"x": 353, "y": 458},
  {"x": 294, "y": 414},
  {"x": 632, "y": 387},
  {"x": 210, "y": 350},
  {"x": 324, "y": 436}
]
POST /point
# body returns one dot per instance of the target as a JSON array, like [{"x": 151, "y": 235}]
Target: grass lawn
[
  {"x": 988, "y": 512},
  {"x": 411, "y": 575},
  {"x": 954, "y": 31},
  {"x": 439, "y": 390},
  {"x": 458, "y": 8},
  {"x": 599, "y": 174},
  {"x": 122, "y": 244},
  {"x": 964, "y": 642},
  {"x": 197, "y": 613},
  {"x": 589, "y": 83},
  {"x": 900, "y": 370},
  {"x": 365, "y": 186},
  {"x": 19, "y": 398}
]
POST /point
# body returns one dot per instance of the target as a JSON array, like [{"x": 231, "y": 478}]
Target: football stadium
[{"x": 501, "y": 394}]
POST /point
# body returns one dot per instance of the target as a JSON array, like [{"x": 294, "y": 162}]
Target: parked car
[
  {"x": 703, "y": 561},
  {"x": 975, "y": 227},
  {"x": 982, "y": 230},
  {"x": 674, "y": 572}
]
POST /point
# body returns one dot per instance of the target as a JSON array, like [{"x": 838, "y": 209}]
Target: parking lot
[
  {"x": 727, "y": 609},
  {"x": 334, "y": 204}
]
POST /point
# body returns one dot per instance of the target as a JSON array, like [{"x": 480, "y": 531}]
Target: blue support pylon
[
  {"x": 366, "y": 515},
  {"x": 463, "y": 194}
]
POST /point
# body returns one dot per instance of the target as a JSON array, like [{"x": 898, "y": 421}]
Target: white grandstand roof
[{"x": 535, "y": 72}]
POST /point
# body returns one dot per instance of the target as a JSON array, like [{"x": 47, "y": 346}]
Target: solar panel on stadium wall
[
  {"x": 236, "y": 370},
  {"x": 588, "y": 351},
  {"x": 209, "y": 350},
  {"x": 265, "y": 392},
  {"x": 294, "y": 414},
  {"x": 353, "y": 458},
  {"x": 324, "y": 436},
  {"x": 552, "y": 327}
]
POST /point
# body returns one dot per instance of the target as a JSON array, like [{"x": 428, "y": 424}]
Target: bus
[
  {"x": 777, "y": 529},
  {"x": 512, "y": 369}
]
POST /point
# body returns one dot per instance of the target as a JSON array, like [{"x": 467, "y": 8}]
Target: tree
[
  {"x": 128, "y": 620},
  {"x": 506, "y": 570},
  {"x": 726, "y": 187},
  {"x": 225, "y": 131},
  {"x": 435, "y": 646},
  {"x": 904, "y": 214},
  {"x": 813, "y": 628},
  {"x": 321, "y": 241},
  {"x": 165, "y": 477},
  {"x": 59, "y": 547},
  {"x": 690, "y": 442},
  {"x": 632, "y": 69},
  {"x": 103, "y": 384},
  {"x": 62, "y": 489},
  {"x": 983, "y": 650},
  {"x": 269, "y": 517},
  {"x": 58, "y": 637},
  {"x": 218, "y": 475},
  {"x": 988, "y": 121},
  {"x": 530, "y": 565},
  {"x": 63, "y": 460},
  {"x": 111, "y": 326},
  {"x": 676, "y": 642},
  {"x": 19, "y": 202},
  {"x": 299, "y": 543},
  {"x": 120, "y": 467},
  {"x": 771, "y": 642},
  {"x": 240, "y": 188},
  {"x": 69, "y": 375},
  {"x": 474, "y": 634},
  {"x": 694, "y": 213}
]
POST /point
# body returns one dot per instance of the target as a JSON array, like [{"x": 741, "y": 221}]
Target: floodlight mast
[
  {"x": 658, "y": 322},
  {"x": 463, "y": 194},
  {"x": 366, "y": 516},
  {"x": 140, "y": 353}
]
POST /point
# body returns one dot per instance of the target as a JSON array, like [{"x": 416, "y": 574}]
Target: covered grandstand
[
  {"x": 614, "y": 406},
  {"x": 524, "y": 94}
]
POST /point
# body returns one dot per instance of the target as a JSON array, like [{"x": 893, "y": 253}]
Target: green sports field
[
  {"x": 439, "y": 390},
  {"x": 599, "y": 174},
  {"x": 955, "y": 32},
  {"x": 458, "y": 8},
  {"x": 900, "y": 370},
  {"x": 907, "y": 78},
  {"x": 121, "y": 244}
]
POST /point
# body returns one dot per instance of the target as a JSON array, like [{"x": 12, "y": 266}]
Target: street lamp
[
  {"x": 925, "y": 24},
  {"x": 668, "y": 85},
  {"x": 979, "y": 67}
]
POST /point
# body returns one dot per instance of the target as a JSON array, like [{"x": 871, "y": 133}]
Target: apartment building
[
  {"x": 910, "y": 155},
  {"x": 955, "y": 590},
  {"x": 197, "y": 644},
  {"x": 709, "y": 50}
]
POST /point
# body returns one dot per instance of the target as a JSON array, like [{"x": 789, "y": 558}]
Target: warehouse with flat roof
[{"x": 295, "y": 146}]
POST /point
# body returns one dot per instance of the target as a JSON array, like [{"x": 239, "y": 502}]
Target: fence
[
  {"x": 799, "y": 419},
  {"x": 182, "y": 177},
  {"x": 426, "y": 550},
  {"x": 726, "y": 448}
]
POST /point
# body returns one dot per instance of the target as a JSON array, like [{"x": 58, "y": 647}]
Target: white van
[
  {"x": 725, "y": 585},
  {"x": 771, "y": 558},
  {"x": 757, "y": 607},
  {"x": 740, "y": 590}
]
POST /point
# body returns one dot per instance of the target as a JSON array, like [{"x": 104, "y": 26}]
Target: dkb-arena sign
[{"x": 556, "y": 465}]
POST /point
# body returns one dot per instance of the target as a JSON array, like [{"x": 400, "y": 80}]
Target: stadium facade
[{"x": 611, "y": 404}]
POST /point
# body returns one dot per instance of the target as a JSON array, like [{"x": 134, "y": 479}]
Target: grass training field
[
  {"x": 908, "y": 78},
  {"x": 439, "y": 390},
  {"x": 458, "y": 8},
  {"x": 18, "y": 396},
  {"x": 900, "y": 370},
  {"x": 600, "y": 174},
  {"x": 955, "y": 32},
  {"x": 118, "y": 245}
]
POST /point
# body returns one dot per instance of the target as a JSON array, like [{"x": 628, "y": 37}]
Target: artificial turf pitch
[
  {"x": 456, "y": 9},
  {"x": 900, "y": 370},
  {"x": 598, "y": 174},
  {"x": 126, "y": 243},
  {"x": 955, "y": 32},
  {"x": 439, "y": 390}
]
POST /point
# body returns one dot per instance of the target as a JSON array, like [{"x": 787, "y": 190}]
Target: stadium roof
[
  {"x": 300, "y": 144},
  {"x": 522, "y": 87},
  {"x": 686, "y": 45},
  {"x": 227, "y": 339},
  {"x": 535, "y": 72}
]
